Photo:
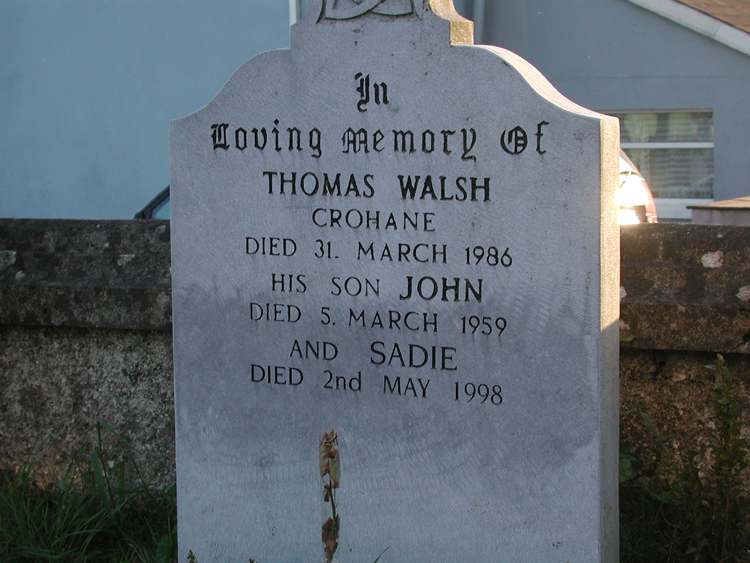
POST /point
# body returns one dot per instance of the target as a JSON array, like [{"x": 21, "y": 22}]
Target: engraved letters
[
  {"x": 514, "y": 141},
  {"x": 416, "y": 187},
  {"x": 219, "y": 135},
  {"x": 407, "y": 142},
  {"x": 281, "y": 139},
  {"x": 380, "y": 91},
  {"x": 539, "y": 136},
  {"x": 361, "y": 141},
  {"x": 356, "y": 301}
]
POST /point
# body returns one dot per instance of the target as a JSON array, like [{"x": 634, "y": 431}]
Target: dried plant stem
[{"x": 330, "y": 467}]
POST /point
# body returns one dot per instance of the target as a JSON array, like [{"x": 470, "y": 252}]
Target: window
[{"x": 674, "y": 151}]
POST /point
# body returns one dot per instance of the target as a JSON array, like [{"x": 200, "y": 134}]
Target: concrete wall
[
  {"x": 85, "y": 335},
  {"x": 88, "y": 88},
  {"x": 614, "y": 55}
]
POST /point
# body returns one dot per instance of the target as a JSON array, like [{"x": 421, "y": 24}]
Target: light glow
[
  {"x": 632, "y": 192},
  {"x": 628, "y": 217}
]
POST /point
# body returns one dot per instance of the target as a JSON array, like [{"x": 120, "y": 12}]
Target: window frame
[{"x": 671, "y": 208}]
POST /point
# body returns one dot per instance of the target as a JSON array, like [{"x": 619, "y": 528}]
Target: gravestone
[{"x": 395, "y": 288}]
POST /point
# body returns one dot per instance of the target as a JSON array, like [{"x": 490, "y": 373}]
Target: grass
[{"x": 89, "y": 516}]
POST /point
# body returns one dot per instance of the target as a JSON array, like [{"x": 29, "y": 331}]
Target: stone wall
[
  {"x": 85, "y": 335},
  {"x": 685, "y": 297}
]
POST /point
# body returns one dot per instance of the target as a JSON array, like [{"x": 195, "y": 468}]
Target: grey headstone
[{"x": 505, "y": 167}]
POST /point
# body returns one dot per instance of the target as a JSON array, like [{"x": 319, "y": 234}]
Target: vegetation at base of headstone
[
  {"x": 330, "y": 466},
  {"x": 705, "y": 516},
  {"x": 90, "y": 516}
]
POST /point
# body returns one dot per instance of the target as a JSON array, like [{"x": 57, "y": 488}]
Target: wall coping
[{"x": 79, "y": 273}]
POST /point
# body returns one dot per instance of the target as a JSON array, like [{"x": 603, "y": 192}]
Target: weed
[
  {"x": 704, "y": 517},
  {"x": 90, "y": 516},
  {"x": 50, "y": 523},
  {"x": 729, "y": 525}
]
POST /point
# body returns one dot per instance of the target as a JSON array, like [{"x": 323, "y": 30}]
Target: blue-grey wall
[
  {"x": 613, "y": 55},
  {"x": 88, "y": 88}
]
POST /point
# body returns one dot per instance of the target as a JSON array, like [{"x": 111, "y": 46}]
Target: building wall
[
  {"x": 614, "y": 55},
  {"x": 88, "y": 88}
]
